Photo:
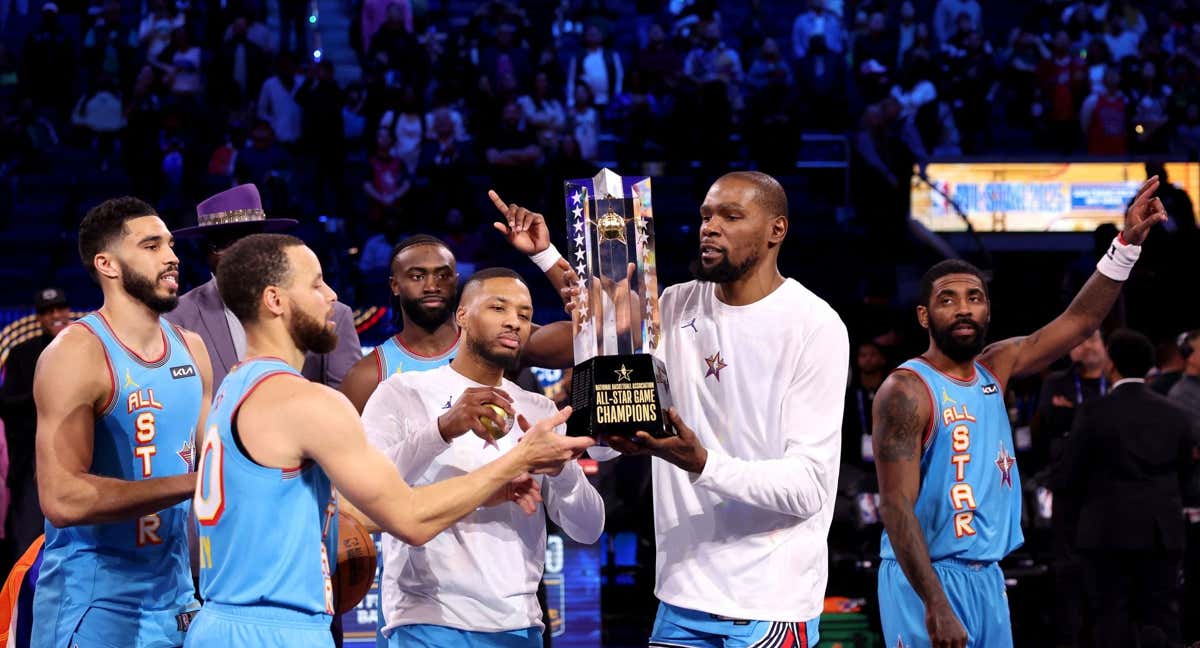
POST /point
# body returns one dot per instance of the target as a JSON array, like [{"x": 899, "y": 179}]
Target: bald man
[{"x": 743, "y": 496}]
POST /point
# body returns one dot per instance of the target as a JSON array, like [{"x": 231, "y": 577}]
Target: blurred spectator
[
  {"x": 354, "y": 122},
  {"x": 659, "y": 63},
  {"x": 874, "y": 53},
  {"x": 154, "y": 33},
  {"x": 262, "y": 157},
  {"x": 100, "y": 115},
  {"x": 444, "y": 97},
  {"x": 48, "y": 62},
  {"x": 1150, "y": 98},
  {"x": 7, "y": 7},
  {"x": 395, "y": 51},
  {"x": 543, "y": 112},
  {"x": 34, "y": 136},
  {"x": 377, "y": 12},
  {"x": 712, "y": 62},
  {"x": 513, "y": 157},
  {"x": 870, "y": 368},
  {"x": 240, "y": 66},
  {"x": 293, "y": 21},
  {"x": 17, "y": 408},
  {"x": 1062, "y": 79},
  {"x": 256, "y": 31},
  {"x": 321, "y": 100},
  {"x": 1169, "y": 363},
  {"x": 445, "y": 163},
  {"x": 507, "y": 58},
  {"x": 277, "y": 101},
  {"x": 769, "y": 69},
  {"x": 598, "y": 67},
  {"x": 818, "y": 22},
  {"x": 821, "y": 79},
  {"x": 1126, "y": 458},
  {"x": 946, "y": 17},
  {"x": 1099, "y": 59},
  {"x": 906, "y": 30},
  {"x": 583, "y": 122},
  {"x": 1186, "y": 391},
  {"x": 1103, "y": 117},
  {"x": 390, "y": 180},
  {"x": 109, "y": 46},
  {"x": 403, "y": 119},
  {"x": 180, "y": 64},
  {"x": 1121, "y": 40},
  {"x": 972, "y": 88}
]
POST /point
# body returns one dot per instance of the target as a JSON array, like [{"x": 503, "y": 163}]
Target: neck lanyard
[{"x": 1079, "y": 388}]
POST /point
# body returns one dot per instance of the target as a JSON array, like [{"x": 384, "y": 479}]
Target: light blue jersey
[
  {"x": 969, "y": 509},
  {"x": 969, "y": 506},
  {"x": 128, "y": 583},
  {"x": 264, "y": 561},
  {"x": 392, "y": 357}
]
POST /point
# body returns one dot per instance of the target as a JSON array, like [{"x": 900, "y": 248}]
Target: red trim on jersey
[
  {"x": 135, "y": 354},
  {"x": 422, "y": 355},
  {"x": 112, "y": 376},
  {"x": 965, "y": 383},
  {"x": 932, "y": 406},
  {"x": 995, "y": 375},
  {"x": 378, "y": 364},
  {"x": 233, "y": 415}
]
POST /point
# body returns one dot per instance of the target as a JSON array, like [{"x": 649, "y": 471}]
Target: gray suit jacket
[{"x": 201, "y": 310}]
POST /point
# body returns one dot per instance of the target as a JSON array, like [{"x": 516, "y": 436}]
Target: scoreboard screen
[{"x": 1036, "y": 196}]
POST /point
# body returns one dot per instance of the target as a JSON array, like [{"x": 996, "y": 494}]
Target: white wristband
[
  {"x": 1118, "y": 261},
  {"x": 546, "y": 259}
]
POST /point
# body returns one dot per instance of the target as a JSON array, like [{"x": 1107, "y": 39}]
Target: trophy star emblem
[
  {"x": 576, "y": 196},
  {"x": 623, "y": 374},
  {"x": 579, "y": 255},
  {"x": 715, "y": 365},
  {"x": 578, "y": 225},
  {"x": 578, "y": 211},
  {"x": 579, "y": 240}
]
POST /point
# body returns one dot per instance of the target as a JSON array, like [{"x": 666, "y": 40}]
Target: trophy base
[{"x": 619, "y": 395}]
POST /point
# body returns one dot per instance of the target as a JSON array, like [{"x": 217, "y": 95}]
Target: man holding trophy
[{"x": 746, "y": 462}]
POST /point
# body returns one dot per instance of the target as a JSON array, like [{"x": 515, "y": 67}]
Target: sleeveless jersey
[
  {"x": 263, "y": 531},
  {"x": 146, "y": 430},
  {"x": 392, "y": 357},
  {"x": 969, "y": 506}
]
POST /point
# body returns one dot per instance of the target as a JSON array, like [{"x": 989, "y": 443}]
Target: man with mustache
[
  {"x": 743, "y": 495},
  {"x": 276, "y": 443},
  {"x": 949, "y": 485},
  {"x": 434, "y": 595},
  {"x": 120, "y": 396}
]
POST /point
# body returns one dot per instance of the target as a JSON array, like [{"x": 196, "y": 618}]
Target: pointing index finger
[{"x": 497, "y": 201}]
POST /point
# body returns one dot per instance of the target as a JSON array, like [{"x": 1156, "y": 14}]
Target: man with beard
[
  {"x": 119, "y": 396},
  {"x": 949, "y": 486},
  {"x": 277, "y": 442},
  {"x": 744, "y": 494},
  {"x": 25, "y": 522},
  {"x": 423, "y": 423},
  {"x": 221, "y": 221},
  {"x": 424, "y": 286}
]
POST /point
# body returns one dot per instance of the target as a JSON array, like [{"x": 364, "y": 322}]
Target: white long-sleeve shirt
[
  {"x": 482, "y": 573},
  {"x": 762, "y": 386}
]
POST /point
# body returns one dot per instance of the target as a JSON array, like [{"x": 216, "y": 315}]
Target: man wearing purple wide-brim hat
[{"x": 220, "y": 221}]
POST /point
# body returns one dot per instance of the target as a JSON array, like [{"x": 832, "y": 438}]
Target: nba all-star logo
[
  {"x": 1005, "y": 463},
  {"x": 715, "y": 365}
]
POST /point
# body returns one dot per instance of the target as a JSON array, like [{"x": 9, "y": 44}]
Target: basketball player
[
  {"x": 276, "y": 442},
  {"x": 949, "y": 485},
  {"x": 424, "y": 283},
  {"x": 743, "y": 496},
  {"x": 119, "y": 396},
  {"x": 435, "y": 595}
]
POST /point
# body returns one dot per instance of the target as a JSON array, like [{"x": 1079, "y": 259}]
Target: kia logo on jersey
[
  {"x": 988, "y": 389},
  {"x": 187, "y": 371}
]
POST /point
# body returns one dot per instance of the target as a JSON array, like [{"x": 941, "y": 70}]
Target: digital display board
[{"x": 1036, "y": 197}]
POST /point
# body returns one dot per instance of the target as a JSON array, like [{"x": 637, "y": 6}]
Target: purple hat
[{"x": 234, "y": 209}]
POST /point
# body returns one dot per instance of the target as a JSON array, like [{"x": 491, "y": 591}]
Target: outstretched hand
[
  {"x": 1143, "y": 213},
  {"x": 683, "y": 449},
  {"x": 525, "y": 230}
]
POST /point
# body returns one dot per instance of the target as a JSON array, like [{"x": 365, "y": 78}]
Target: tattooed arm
[{"x": 901, "y": 414}]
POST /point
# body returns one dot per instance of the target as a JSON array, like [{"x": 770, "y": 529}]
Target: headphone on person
[{"x": 1184, "y": 343}]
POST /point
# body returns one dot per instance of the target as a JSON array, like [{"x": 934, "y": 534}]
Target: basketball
[{"x": 356, "y": 561}]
